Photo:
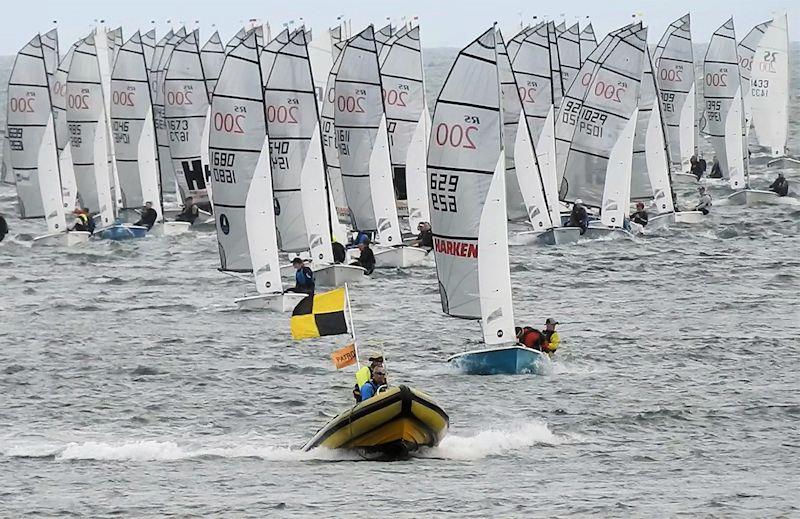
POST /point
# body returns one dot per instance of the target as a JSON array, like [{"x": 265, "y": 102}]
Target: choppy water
[{"x": 129, "y": 386}]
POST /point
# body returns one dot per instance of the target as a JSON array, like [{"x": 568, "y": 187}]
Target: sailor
[
  {"x": 375, "y": 383},
  {"x": 190, "y": 211},
  {"x": 704, "y": 204},
  {"x": 529, "y": 337},
  {"x": 81, "y": 220},
  {"x": 640, "y": 216},
  {"x": 303, "y": 278},
  {"x": 149, "y": 216},
  {"x": 3, "y": 227},
  {"x": 550, "y": 337},
  {"x": 367, "y": 259},
  {"x": 698, "y": 166},
  {"x": 92, "y": 224},
  {"x": 339, "y": 252},
  {"x": 716, "y": 170},
  {"x": 425, "y": 236},
  {"x": 780, "y": 186},
  {"x": 364, "y": 374},
  {"x": 579, "y": 217}
]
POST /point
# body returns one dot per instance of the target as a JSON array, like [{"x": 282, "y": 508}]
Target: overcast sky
[{"x": 444, "y": 23}]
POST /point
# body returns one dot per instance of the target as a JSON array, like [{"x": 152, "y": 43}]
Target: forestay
[
  {"x": 770, "y": 88},
  {"x": 588, "y": 42},
  {"x": 31, "y": 138},
  {"x": 212, "y": 54},
  {"x": 133, "y": 128},
  {"x": 466, "y": 175},
  {"x": 240, "y": 170},
  {"x": 185, "y": 111},
  {"x": 363, "y": 141},
  {"x": 723, "y": 116},
  {"x": 298, "y": 171},
  {"x": 569, "y": 54},
  {"x": 650, "y": 167},
  {"x": 598, "y": 163},
  {"x": 675, "y": 77},
  {"x": 87, "y": 123}
]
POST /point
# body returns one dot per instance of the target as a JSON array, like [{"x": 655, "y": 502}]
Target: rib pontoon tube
[{"x": 395, "y": 422}]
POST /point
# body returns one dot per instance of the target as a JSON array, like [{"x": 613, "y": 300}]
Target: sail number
[
  {"x": 15, "y": 142},
  {"x": 123, "y": 98},
  {"x": 178, "y": 130},
  {"x": 22, "y": 104},
  {"x": 609, "y": 91},
  {"x": 282, "y": 114},
  {"x": 78, "y": 101},
  {"x": 458, "y": 135},
  {"x": 74, "y": 134},
  {"x": 351, "y": 104},
  {"x": 717, "y": 79},
  {"x": 120, "y": 131},
  {"x": 591, "y": 122},
  {"x": 278, "y": 152},
  {"x": 60, "y": 88},
  {"x": 760, "y": 88},
  {"x": 527, "y": 93},
  {"x": 668, "y": 102},
  {"x": 222, "y": 167},
  {"x": 671, "y": 75},
  {"x": 713, "y": 109},
  {"x": 228, "y": 123},
  {"x": 179, "y": 98},
  {"x": 396, "y": 97},
  {"x": 443, "y": 188}
]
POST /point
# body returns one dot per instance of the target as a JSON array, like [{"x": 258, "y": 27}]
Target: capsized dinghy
[{"x": 393, "y": 423}]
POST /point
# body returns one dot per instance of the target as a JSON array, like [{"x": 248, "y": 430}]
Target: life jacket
[
  {"x": 531, "y": 338},
  {"x": 84, "y": 219},
  {"x": 550, "y": 341}
]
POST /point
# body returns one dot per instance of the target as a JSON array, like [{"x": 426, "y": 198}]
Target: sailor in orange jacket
[{"x": 546, "y": 341}]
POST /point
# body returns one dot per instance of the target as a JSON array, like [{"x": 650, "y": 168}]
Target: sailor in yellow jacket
[
  {"x": 550, "y": 336},
  {"x": 364, "y": 374}
]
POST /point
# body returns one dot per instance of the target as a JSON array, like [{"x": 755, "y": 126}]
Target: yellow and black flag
[{"x": 318, "y": 315}]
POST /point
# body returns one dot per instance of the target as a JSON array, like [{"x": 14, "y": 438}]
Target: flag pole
[{"x": 352, "y": 324}]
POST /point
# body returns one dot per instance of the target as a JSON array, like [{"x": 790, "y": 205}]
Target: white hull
[
  {"x": 692, "y": 217},
  {"x": 555, "y": 236},
  {"x": 598, "y": 230},
  {"x": 68, "y": 238},
  {"x": 271, "y": 302},
  {"x": 750, "y": 197},
  {"x": 661, "y": 221},
  {"x": 400, "y": 257},
  {"x": 683, "y": 177},
  {"x": 172, "y": 228},
  {"x": 784, "y": 163},
  {"x": 338, "y": 275}
]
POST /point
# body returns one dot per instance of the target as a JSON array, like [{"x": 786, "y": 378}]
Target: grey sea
[{"x": 131, "y": 387}]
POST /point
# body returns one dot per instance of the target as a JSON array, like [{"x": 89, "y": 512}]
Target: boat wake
[{"x": 495, "y": 442}]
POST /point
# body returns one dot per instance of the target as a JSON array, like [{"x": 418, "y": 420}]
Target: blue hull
[
  {"x": 122, "y": 232},
  {"x": 510, "y": 360}
]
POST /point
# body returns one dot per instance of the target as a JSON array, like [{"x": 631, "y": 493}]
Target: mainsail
[
  {"x": 185, "y": 112},
  {"x": 363, "y": 140},
  {"x": 212, "y": 54},
  {"x": 588, "y": 42},
  {"x": 569, "y": 54},
  {"x": 149, "y": 45},
  {"x": 559, "y": 88},
  {"x": 747, "y": 51},
  {"x": 161, "y": 58},
  {"x": 132, "y": 127},
  {"x": 298, "y": 171},
  {"x": 466, "y": 175},
  {"x": 723, "y": 117},
  {"x": 240, "y": 170},
  {"x": 674, "y": 65},
  {"x": 531, "y": 66},
  {"x": 31, "y": 138},
  {"x": 58, "y": 96},
  {"x": 769, "y": 88},
  {"x": 87, "y": 123},
  {"x": 51, "y": 55},
  {"x": 598, "y": 163}
]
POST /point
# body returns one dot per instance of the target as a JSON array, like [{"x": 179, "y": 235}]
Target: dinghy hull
[
  {"x": 338, "y": 275},
  {"x": 661, "y": 221},
  {"x": 784, "y": 163},
  {"x": 271, "y": 302},
  {"x": 598, "y": 230},
  {"x": 751, "y": 197},
  {"x": 510, "y": 360},
  {"x": 681, "y": 177},
  {"x": 559, "y": 236},
  {"x": 691, "y": 217},
  {"x": 121, "y": 232},
  {"x": 393, "y": 423},
  {"x": 400, "y": 257},
  {"x": 174, "y": 228},
  {"x": 68, "y": 239}
]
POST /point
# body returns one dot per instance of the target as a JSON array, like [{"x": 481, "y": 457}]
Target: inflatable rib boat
[{"x": 393, "y": 424}]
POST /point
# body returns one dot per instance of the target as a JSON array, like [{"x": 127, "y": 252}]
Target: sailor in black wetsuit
[
  {"x": 640, "y": 216},
  {"x": 716, "y": 170},
  {"x": 149, "y": 216},
  {"x": 780, "y": 186},
  {"x": 3, "y": 227},
  {"x": 425, "y": 236},
  {"x": 190, "y": 211},
  {"x": 367, "y": 259}
]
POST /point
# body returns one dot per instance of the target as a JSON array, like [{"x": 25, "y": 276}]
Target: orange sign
[{"x": 344, "y": 357}]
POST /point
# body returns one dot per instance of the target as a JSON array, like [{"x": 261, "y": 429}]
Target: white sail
[
  {"x": 330, "y": 142},
  {"x": 51, "y": 55},
  {"x": 362, "y": 136},
  {"x": 568, "y": 113},
  {"x": 722, "y": 93},
  {"x": 513, "y": 45},
  {"x": 185, "y": 112},
  {"x": 417, "y": 173},
  {"x": 382, "y": 37},
  {"x": 675, "y": 77},
  {"x": 58, "y": 95},
  {"x": 747, "y": 52},
  {"x": 769, "y": 87},
  {"x": 87, "y": 123},
  {"x": 6, "y": 170},
  {"x": 320, "y": 52},
  {"x": 32, "y": 142},
  {"x": 559, "y": 88},
  {"x": 133, "y": 127},
  {"x": 588, "y": 42},
  {"x": 149, "y": 45},
  {"x": 546, "y": 157},
  {"x": 240, "y": 170},
  {"x": 531, "y": 66},
  {"x": 466, "y": 174},
  {"x": 598, "y": 163},
  {"x": 161, "y": 58},
  {"x": 298, "y": 174},
  {"x": 650, "y": 166},
  {"x": 212, "y": 54},
  {"x": 404, "y": 99},
  {"x": 569, "y": 54},
  {"x": 530, "y": 180}
]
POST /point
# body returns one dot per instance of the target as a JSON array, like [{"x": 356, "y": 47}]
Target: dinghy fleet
[{"x": 290, "y": 142}]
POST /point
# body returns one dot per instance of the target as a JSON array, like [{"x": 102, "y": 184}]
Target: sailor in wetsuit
[
  {"x": 425, "y": 236},
  {"x": 780, "y": 186},
  {"x": 190, "y": 211},
  {"x": 367, "y": 259},
  {"x": 3, "y": 227},
  {"x": 716, "y": 169},
  {"x": 304, "y": 278},
  {"x": 640, "y": 216},
  {"x": 579, "y": 217},
  {"x": 149, "y": 216},
  {"x": 704, "y": 204}
]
